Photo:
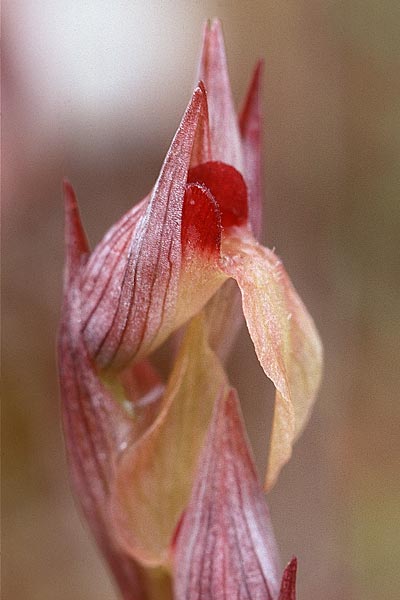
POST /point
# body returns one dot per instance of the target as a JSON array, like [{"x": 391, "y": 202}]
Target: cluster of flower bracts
[{"x": 163, "y": 470}]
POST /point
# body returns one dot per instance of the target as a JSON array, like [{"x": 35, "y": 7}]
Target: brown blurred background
[{"x": 94, "y": 90}]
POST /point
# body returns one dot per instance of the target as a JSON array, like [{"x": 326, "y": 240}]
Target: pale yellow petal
[
  {"x": 154, "y": 477},
  {"x": 285, "y": 339}
]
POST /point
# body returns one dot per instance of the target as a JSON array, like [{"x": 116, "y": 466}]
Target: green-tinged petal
[
  {"x": 154, "y": 477},
  {"x": 285, "y": 339}
]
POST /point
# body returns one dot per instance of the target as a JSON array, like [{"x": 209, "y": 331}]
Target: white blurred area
[
  {"x": 90, "y": 69},
  {"x": 87, "y": 78}
]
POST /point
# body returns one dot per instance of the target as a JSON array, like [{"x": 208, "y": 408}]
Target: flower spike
[{"x": 181, "y": 263}]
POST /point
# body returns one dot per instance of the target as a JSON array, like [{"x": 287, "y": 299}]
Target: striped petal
[
  {"x": 134, "y": 286},
  {"x": 94, "y": 425},
  {"x": 225, "y": 546}
]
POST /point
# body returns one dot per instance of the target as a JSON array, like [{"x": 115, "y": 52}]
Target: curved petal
[
  {"x": 155, "y": 476},
  {"x": 213, "y": 71},
  {"x": 106, "y": 267},
  {"x": 285, "y": 339},
  {"x": 89, "y": 422},
  {"x": 250, "y": 131},
  {"x": 136, "y": 309},
  {"x": 225, "y": 547}
]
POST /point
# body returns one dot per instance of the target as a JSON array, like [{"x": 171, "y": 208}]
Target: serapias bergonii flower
[
  {"x": 165, "y": 259},
  {"x": 134, "y": 441}
]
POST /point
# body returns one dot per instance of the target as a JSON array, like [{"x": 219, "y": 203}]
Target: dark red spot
[
  {"x": 201, "y": 220},
  {"x": 228, "y": 188}
]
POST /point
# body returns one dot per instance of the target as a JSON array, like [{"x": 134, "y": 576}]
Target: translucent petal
[
  {"x": 285, "y": 339},
  {"x": 154, "y": 477}
]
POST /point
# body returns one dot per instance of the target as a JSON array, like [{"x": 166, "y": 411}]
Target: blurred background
[{"x": 95, "y": 90}]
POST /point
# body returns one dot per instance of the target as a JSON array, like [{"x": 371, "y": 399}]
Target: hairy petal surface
[
  {"x": 93, "y": 424},
  {"x": 155, "y": 476},
  {"x": 225, "y": 547},
  {"x": 285, "y": 339}
]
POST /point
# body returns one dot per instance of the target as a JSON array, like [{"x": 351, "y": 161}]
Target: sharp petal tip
[
  {"x": 75, "y": 235},
  {"x": 67, "y": 188},
  {"x": 70, "y": 199},
  {"x": 201, "y": 88},
  {"x": 259, "y": 70},
  {"x": 216, "y": 25}
]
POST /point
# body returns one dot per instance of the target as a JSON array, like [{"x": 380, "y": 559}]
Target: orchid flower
[{"x": 145, "y": 454}]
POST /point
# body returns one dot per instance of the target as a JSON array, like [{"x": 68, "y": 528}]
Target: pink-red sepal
[
  {"x": 77, "y": 246},
  {"x": 94, "y": 425},
  {"x": 130, "y": 287},
  {"x": 288, "y": 586},
  {"x": 213, "y": 71},
  {"x": 225, "y": 547}
]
